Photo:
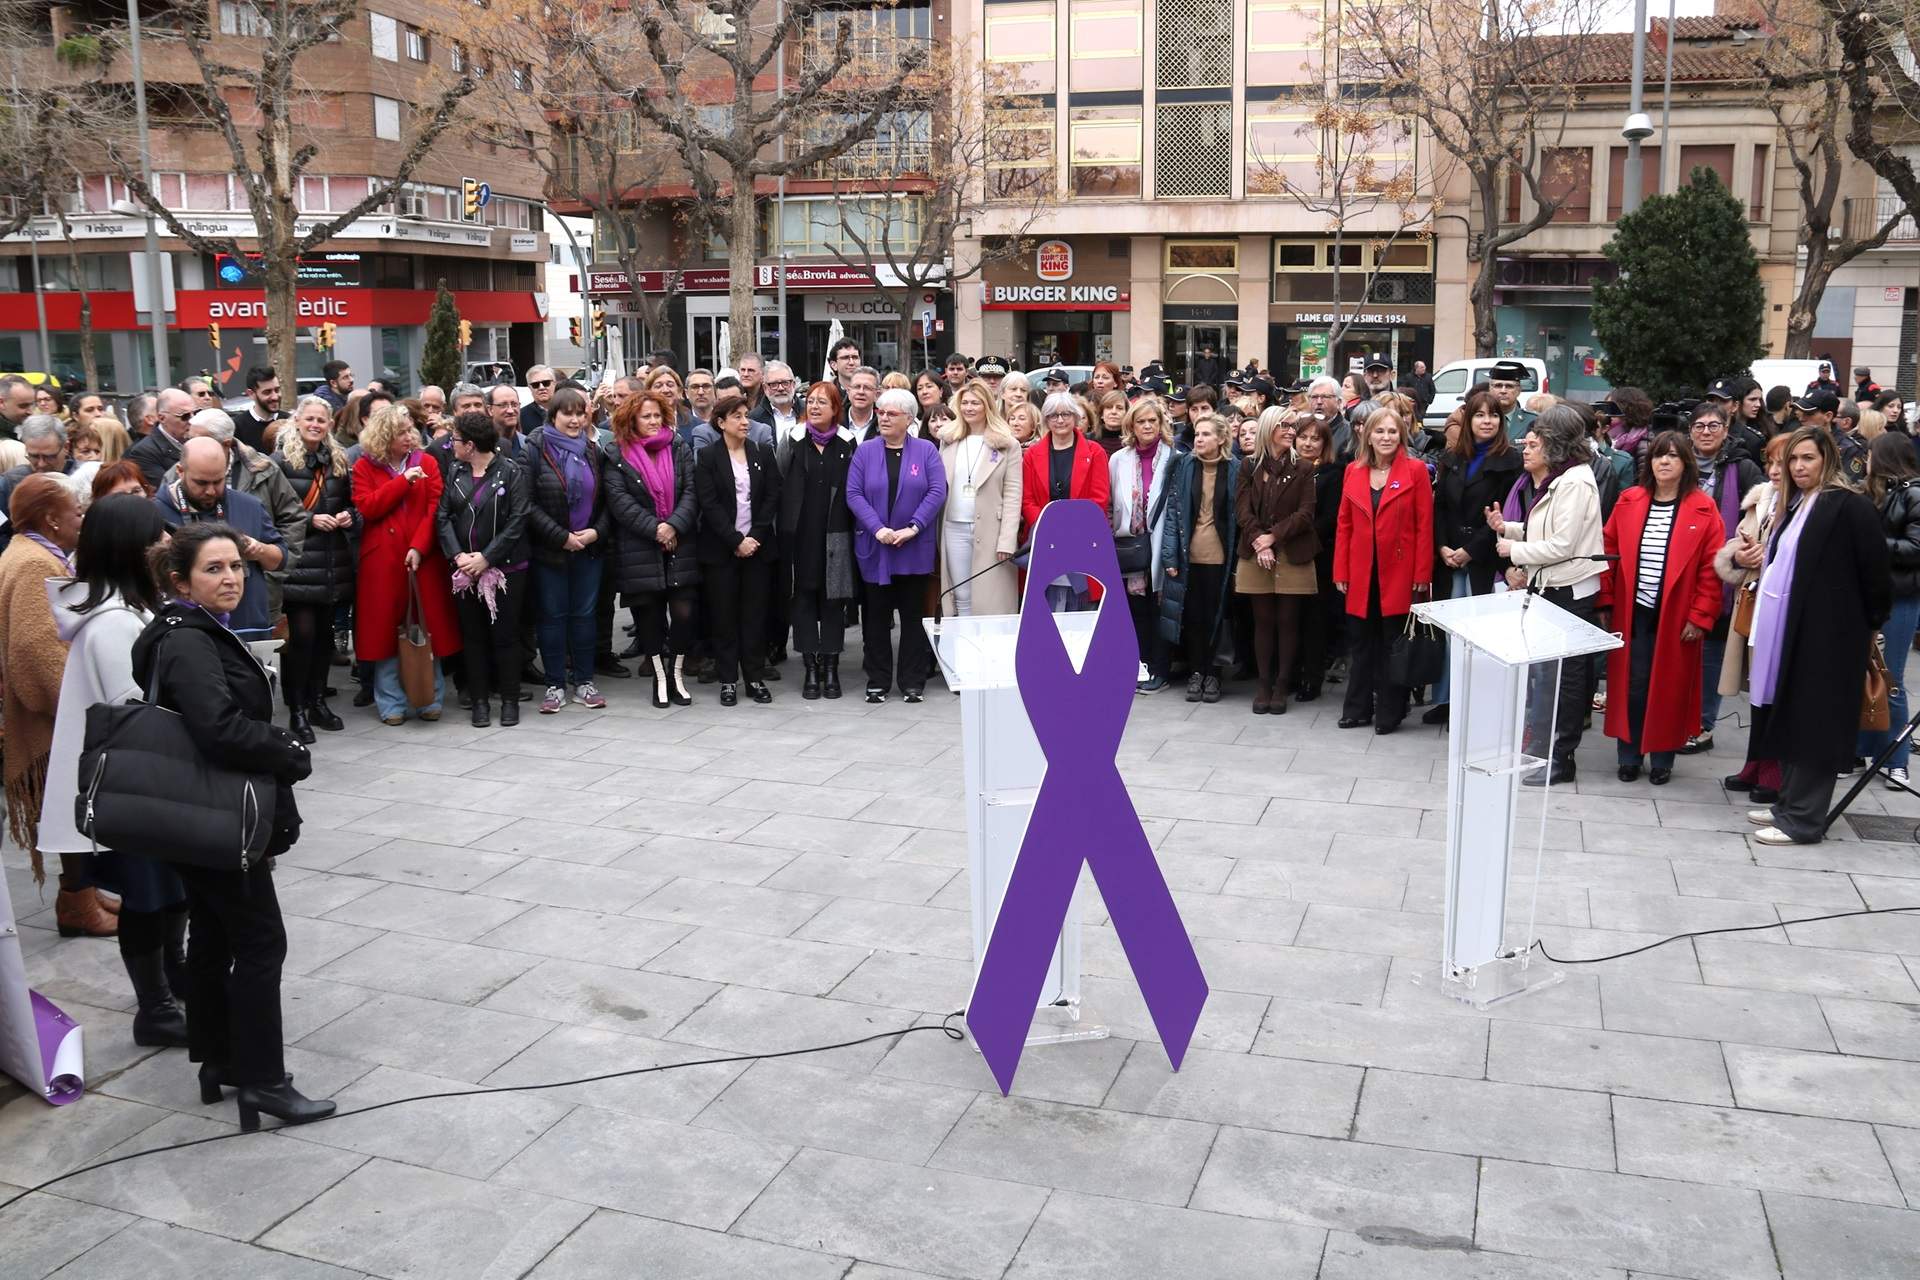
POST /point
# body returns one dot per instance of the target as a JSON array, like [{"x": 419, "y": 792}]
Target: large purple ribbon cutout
[{"x": 1082, "y": 813}]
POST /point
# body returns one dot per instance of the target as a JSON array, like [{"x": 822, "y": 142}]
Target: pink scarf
[{"x": 652, "y": 457}]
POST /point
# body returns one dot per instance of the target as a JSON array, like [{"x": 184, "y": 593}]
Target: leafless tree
[{"x": 1877, "y": 41}]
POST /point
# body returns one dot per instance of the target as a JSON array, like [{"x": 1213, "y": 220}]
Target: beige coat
[
  {"x": 1756, "y": 521},
  {"x": 996, "y": 529}
]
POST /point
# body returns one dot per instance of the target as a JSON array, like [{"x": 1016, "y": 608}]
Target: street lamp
[
  {"x": 1639, "y": 125},
  {"x": 156, "y": 293}
]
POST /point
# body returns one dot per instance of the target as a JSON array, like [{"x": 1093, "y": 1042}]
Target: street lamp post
[
  {"x": 1638, "y": 127},
  {"x": 156, "y": 288}
]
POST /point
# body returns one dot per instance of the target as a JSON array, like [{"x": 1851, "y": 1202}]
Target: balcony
[
  {"x": 1861, "y": 218},
  {"x": 876, "y": 160}
]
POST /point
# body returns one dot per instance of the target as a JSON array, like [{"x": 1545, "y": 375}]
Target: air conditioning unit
[
  {"x": 410, "y": 206},
  {"x": 1385, "y": 290}
]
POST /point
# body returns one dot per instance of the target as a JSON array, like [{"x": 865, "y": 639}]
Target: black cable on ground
[
  {"x": 1541, "y": 947},
  {"x": 944, "y": 1026}
]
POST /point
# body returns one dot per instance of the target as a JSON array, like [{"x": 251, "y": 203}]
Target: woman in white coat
[
  {"x": 100, "y": 612},
  {"x": 1138, "y": 473},
  {"x": 980, "y": 525}
]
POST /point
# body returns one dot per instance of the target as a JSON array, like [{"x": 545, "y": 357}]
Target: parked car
[
  {"x": 1076, "y": 373},
  {"x": 1451, "y": 384}
]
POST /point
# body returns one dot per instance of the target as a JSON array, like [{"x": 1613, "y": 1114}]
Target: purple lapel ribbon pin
[{"x": 1082, "y": 813}]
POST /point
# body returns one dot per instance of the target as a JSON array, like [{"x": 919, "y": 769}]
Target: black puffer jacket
[
  {"x": 209, "y": 677},
  {"x": 1900, "y": 517},
  {"x": 324, "y": 572},
  {"x": 547, "y": 509},
  {"x": 639, "y": 566},
  {"x": 496, "y": 529}
]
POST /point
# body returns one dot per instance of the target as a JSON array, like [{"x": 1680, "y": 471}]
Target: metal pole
[
  {"x": 586, "y": 313},
  {"x": 780, "y": 191},
  {"x": 1630, "y": 175},
  {"x": 156, "y": 285},
  {"x": 33, "y": 239},
  {"x": 1666, "y": 104}
]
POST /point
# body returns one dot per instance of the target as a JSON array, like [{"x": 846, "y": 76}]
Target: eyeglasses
[
  {"x": 544, "y": 382},
  {"x": 699, "y": 386},
  {"x": 779, "y": 384}
]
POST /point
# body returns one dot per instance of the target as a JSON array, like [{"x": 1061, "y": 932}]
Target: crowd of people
[{"x": 1749, "y": 540}]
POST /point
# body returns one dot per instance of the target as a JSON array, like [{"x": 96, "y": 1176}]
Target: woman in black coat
[
  {"x": 1825, "y": 589},
  {"x": 481, "y": 525},
  {"x": 1477, "y": 471},
  {"x": 650, "y": 503},
  {"x": 568, "y": 521},
  {"x": 816, "y": 537},
  {"x": 1323, "y": 630},
  {"x": 192, "y": 665},
  {"x": 736, "y": 487},
  {"x": 322, "y": 578}
]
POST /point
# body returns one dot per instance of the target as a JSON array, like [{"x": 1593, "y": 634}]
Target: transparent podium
[
  {"x": 1506, "y": 659},
  {"x": 1003, "y": 767}
]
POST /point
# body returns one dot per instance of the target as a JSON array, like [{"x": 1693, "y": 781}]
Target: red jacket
[
  {"x": 1395, "y": 541},
  {"x": 1090, "y": 481},
  {"x": 1689, "y": 592},
  {"x": 398, "y": 518}
]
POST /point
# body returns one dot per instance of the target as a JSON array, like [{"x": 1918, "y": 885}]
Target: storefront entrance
[
  {"x": 1183, "y": 340},
  {"x": 879, "y": 344}
]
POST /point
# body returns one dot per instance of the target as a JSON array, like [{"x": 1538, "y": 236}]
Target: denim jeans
[
  {"x": 389, "y": 699},
  {"x": 1898, "y": 631},
  {"x": 567, "y": 594},
  {"x": 1713, "y": 655}
]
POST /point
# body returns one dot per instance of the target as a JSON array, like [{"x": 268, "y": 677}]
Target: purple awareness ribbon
[{"x": 1082, "y": 813}]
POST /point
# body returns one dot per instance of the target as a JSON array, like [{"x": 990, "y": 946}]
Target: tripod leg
[{"x": 1853, "y": 793}]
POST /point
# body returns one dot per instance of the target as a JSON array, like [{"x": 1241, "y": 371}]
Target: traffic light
[
  {"x": 323, "y": 337},
  {"x": 466, "y": 334},
  {"x": 213, "y": 336},
  {"x": 573, "y": 330},
  {"x": 470, "y": 199},
  {"x": 599, "y": 322}
]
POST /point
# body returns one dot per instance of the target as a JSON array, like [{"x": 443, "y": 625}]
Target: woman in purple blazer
[{"x": 895, "y": 489}]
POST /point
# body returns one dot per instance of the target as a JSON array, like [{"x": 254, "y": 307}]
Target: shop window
[
  {"x": 1617, "y": 177},
  {"x": 1566, "y": 176},
  {"x": 1105, "y": 45},
  {"x": 1762, "y": 180},
  {"x": 1193, "y": 149},
  {"x": 1019, "y": 43},
  {"x": 1193, "y": 44},
  {"x": 1203, "y": 257},
  {"x": 1105, "y": 155},
  {"x": 1020, "y": 161},
  {"x": 1283, "y": 153},
  {"x": 1285, "y": 44},
  {"x": 1296, "y": 256},
  {"x": 1718, "y": 158}
]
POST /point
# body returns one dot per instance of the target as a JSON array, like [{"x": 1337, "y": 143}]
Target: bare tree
[
  {"x": 709, "y": 83},
  {"x": 1799, "y": 68},
  {"x": 1877, "y": 69},
  {"x": 269, "y": 92},
  {"x": 1492, "y": 87}
]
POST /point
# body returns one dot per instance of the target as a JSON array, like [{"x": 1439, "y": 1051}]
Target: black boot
[
  {"x": 677, "y": 684},
  {"x": 510, "y": 709},
  {"x": 159, "y": 1023},
  {"x": 323, "y": 717},
  {"x": 810, "y": 688},
  {"x": 482, "y": 713},
  {"x": 830, "y": 675},
  {"x": 662, "y": 675},
  {"x": 297, "y": 721},
  {"x": 281, "y": 1101},
  {"x": 174, "y": 949}
]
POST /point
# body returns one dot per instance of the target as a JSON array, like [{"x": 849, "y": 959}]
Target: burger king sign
[{"x": 1053, "y": 260}]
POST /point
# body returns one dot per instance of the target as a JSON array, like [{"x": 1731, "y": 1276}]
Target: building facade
[{"x": 375, "y": 281}]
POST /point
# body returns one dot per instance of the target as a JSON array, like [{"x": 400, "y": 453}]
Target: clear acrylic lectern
[
  {"x": 1003, "y": 768},
  {"x": 1505, "y": 664}
]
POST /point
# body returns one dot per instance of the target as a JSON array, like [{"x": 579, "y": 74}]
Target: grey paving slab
[
  {"x": 625, "y": 942},
  {"x": 1616, "y": 1062},
  {"x": 730, "y": 906},
  {"x": 1344, "y": 977},
  {"x": 1414, "y": 1256},
  {"x": 33, "y": 1150},
  {"x": 1368, "y": 1037},
  {"x": 931, "y": 1220},
  {"x": 42, "y": 1233},
  {"x": 425, "y": 912},
  {"x": 567, "y": 884},
  {"x": 755, "y": 960},
  {"x": 156, "y": 1251},
  {"x": 1835, "y": 1159},
  {"x": 857, "y": 1113},
  {"x": 1248, "y": 1090},
  {"x": 451, "y": 1228},
  {"x": 1902, "y": 1148},
  {"x": 682, "y": 818},
  {"x": 1880, "y": 1090},
  {"x": 470, "y": 1136},
  {"x": 1486, "y": 1118},
  {"x": 844, "y": 877},
  {"x": 437, "y": 866},
  {"x": 618, "y": 1246},
  {"x": 750, "y": 1020},
  {"x": 427, "y": 967},
  {"x": 694, "y": 858},
  {"x": 169, "y": 1080},
  {"x": 1821, "y": 1238},
  {"x": 1714, "y": 1013},
  {"x": 891, "y": 926},
  {"x": 1089, "y": 1236},
  {"x": 316, "y": 893},
  {"x": 1345, "y": 1185},
  {"x": 930, "y": 984},
  {"x": 1078, "y": 1073},
  {"x": 1642, "y": 1224},
  {"x": 574, "y": 1053},
  {"x": 1153, "y": 1159},
  {"x": 1820, "y": 971},
  {"x": 598, "y": 995},
  {"x": 428, "y": 1036}
]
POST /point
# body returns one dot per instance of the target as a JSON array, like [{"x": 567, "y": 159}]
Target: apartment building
[{"x": 375, "y": 281}]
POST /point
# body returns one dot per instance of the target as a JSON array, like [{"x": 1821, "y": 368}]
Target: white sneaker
[
  {"x": 1896, "y": 778},
  {"x": 1760, "y": 817},
  {"x": 1772, "y": 835}
]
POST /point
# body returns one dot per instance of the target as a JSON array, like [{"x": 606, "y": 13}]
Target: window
[
  {"x": 1617, "y": 181},
  {"x": 1193, "y": 42},
  {"x": 1450, "y": 382},
  {"x": 385, "y": 35},
  {"x": 1283, "y": 151},
  {"x": 1106, "y": 45},
  {"x": 1762, "y": 181},
  {"x": 417, "y": 48},
  {"x": 344, "y": 193},
  {"x": 715, "y": 118},
  {"x": 241, "y": 18},
  {"x": 1284, "y": 43},
  {"x": 1211, "y": 257},
  {"x": 1193, "y": 149},
  {"x": 386, "y": 118},
  {"x": 1020, "y": 147},
  {"x": 1717, "y": 158},
  {"x": 1566, "y": 175},
  {"x": 457, "y": 57},
  {"x": 1019, "y": 40},
  {"x": 1105, "y": 151},
  {"x": 819, "y": 227},
  {"x": 522, "y": 76},
  {"x": 207, "y": 191}
]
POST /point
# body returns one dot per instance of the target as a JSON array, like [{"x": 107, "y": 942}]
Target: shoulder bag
[
  {"x": 147, "y": 790},
  {"x": 1876, "y": 713},
  {"x": 1135, "y": 550},
  {"x": 415, "y": 648}
]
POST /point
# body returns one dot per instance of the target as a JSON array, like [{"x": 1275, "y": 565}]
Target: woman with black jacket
[
  {"x": 1323, "y": 623},
  {"x": 567, "y": 518},
  {"x": 736, "y": 488},
  {"x": 1477, "y": 471},
  {"x": 482, "y": 528},
  {"x": 191, "y": 664},
  {"x": 1893, "y": 482},
  {"x": 322, "y": 578},
  {"x": 650, "y": 505},
  {"x": 816, "y": 537}
]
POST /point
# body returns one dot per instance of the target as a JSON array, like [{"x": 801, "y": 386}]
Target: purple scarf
[
  {"x": 1770, "y": 612},
  {"x": 1148, "y": 454},
  {"x": 575, "y": 473},
  {"x": 821, "y": 438},
  {"x": 52, "y": 549},
  {"x": 652, "y": 457},
  {"x": 1726, "y": 474}
]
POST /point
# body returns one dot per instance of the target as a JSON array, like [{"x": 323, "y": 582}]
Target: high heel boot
[
  {"x": 677, "y": 692},
  {"x": 159, "y": 1023},
  {"x": 281, "y": 1101},
  {"x": 661, "y": 678}
]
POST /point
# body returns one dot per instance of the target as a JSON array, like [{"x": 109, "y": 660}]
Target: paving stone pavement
[{"x": 592, "y": 892}]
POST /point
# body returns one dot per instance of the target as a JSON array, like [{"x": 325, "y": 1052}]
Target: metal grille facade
[
  {"x": 1193, "y": 149},
  {"x": 1193, "y": 44}
]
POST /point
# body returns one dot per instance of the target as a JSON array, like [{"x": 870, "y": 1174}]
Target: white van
[
  {"x": 1451, "y": 384},
  {"x": 1795, "y": 375}
]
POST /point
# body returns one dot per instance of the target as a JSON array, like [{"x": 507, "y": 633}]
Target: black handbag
[
  {"x": 1417, "y": 656},
  {"x": 146, "y": 789},
  {"x": 1135, "y": 550}
]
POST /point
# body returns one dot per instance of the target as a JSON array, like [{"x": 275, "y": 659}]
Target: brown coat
[
  {"x": 33, "y": 658},
  {"x": 1277, "y": 498}
]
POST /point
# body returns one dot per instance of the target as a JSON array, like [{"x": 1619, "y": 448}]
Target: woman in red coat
[
  {"x": 1063, "y": 463},
  {"x": 396, "y": 488},
  {"x": 1666, "y": 597},
  {"x": 1382, "y": 561}
]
